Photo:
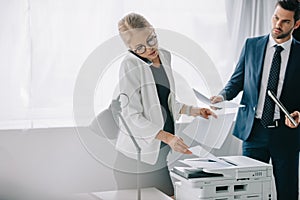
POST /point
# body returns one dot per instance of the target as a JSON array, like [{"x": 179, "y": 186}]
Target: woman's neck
[{"x": 156, "y": 62}]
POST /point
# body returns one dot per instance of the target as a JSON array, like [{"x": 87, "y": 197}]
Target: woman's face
[{"x": 144, "y": 43}]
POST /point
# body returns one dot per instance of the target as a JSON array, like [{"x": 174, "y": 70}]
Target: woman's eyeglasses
[{"x": 151, "y": 41}]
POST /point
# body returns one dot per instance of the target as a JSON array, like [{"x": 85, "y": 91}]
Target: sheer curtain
[
  {"x": 15, "y": 63},
  {"x": 44, "y": 44},
  {"x": 248, "y": 18}
]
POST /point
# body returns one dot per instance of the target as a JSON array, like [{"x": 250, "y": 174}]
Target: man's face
[{"x": 283, "y": 24}]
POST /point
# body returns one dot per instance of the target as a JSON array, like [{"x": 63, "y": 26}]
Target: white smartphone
[{"x": 281, "y": 106}]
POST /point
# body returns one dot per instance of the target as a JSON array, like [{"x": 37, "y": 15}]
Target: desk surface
[{"x": 146, "y": 194}]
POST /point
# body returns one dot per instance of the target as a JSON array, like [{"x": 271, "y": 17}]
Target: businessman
[{"x": 270, "y": 62}]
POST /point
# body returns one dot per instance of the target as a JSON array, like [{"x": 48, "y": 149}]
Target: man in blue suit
[{"x": 273, "y": 140}]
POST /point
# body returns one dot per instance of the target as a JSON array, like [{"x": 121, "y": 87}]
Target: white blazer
[{"x": 143, "y": 113}]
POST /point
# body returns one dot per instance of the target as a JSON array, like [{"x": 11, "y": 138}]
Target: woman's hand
[
  {"x": 195, "y": 111},
  {"x": 175, "y": 142},
  {"x": 296, "y": 116},
  {"x": 203, "y": 112}
]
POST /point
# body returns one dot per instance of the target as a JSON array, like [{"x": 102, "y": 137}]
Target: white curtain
[
  {"x": 45, "y": 42},
  {"x": 248, "y": 18},
  {"x": 43, "y": 45},
  {"x": 14, "y": 62}
]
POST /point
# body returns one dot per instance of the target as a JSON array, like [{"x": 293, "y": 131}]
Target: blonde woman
[{"x": 146, "y": 78}]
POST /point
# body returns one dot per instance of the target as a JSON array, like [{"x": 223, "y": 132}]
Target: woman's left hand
[{"x": 203, "y": 112}]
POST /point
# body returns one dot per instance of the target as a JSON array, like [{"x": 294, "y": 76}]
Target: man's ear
[{"x": 297, "y": 24}]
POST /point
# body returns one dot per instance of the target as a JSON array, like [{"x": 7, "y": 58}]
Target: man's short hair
[{"x": 291, "y": 5}]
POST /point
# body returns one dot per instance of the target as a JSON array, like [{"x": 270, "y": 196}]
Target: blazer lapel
[{"x": 259, "y": 53}]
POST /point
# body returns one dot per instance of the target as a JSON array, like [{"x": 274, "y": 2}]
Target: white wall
[{"x": 50, "y": 160}]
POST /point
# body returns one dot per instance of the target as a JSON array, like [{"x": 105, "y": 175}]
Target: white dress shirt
[{"x": 266, "y": 70}]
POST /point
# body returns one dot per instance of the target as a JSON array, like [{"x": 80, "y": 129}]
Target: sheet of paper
[
  {"x": 205, "y": 159},
  {"x": 223, "y": 104},
  {"x": 205, "y": 165},
  {"x": 202, "y": 153},
  {"x": 201, "y": 97},
  {"x": 210, "y": 132}
]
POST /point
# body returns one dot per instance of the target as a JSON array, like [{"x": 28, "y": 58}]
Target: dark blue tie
[{"x": 269, "y": 106}]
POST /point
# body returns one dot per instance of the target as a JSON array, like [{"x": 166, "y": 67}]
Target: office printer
[{"x": 229, "y": 178}]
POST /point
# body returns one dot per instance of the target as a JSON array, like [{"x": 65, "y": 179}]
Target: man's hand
[
  {"x": 216, "y": 99},
  {"x": 295, "y": 115}
]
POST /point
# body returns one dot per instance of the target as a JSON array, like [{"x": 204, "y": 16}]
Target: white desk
[{"x": 146, "y": 194}]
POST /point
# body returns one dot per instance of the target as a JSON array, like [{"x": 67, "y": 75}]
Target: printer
[{"x": 228, "y": 178}]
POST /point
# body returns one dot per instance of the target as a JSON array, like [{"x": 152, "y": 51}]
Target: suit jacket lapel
[{"x": 260, "y": 52}]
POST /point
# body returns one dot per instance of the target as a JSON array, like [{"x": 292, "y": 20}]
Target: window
[{"x": 45, "y": 43}]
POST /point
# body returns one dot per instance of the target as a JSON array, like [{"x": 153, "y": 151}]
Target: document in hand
[
  {"x": 210, "y": 132},
  {"x": 223, "y": 104}
]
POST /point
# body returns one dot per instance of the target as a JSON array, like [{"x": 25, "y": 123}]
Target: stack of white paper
[
  {"x": 205, "y": 159},
  {"x": 210, "y": 132}
]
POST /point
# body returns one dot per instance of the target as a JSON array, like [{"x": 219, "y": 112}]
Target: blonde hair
[
  {"x": 132, "y": 21},
  {"x": 129, "y": 22}
]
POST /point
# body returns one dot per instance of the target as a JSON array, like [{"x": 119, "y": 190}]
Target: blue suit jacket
[{"x": 247, "y": 78}]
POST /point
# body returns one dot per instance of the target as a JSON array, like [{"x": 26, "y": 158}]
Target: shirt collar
[{"x": 285, "y": 45}]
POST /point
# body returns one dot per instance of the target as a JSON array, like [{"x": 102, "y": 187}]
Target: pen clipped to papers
[{"x": 281, "y": 106}]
